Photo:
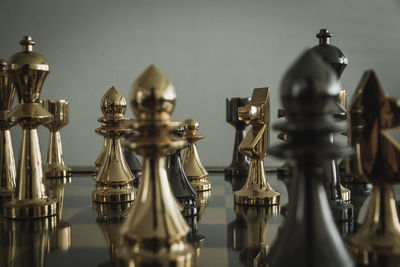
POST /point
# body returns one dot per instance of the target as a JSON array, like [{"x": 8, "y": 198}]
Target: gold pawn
[{"x": 194, "y": 169}]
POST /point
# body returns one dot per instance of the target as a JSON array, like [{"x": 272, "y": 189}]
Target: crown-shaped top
[
  {"x": 28, "y": 70},
  {"x": 330, "y": 53},
  {"x": 113, "y": 103},
  {"x": 152, "y": 96},
  {"x": 309, "y": 87}
]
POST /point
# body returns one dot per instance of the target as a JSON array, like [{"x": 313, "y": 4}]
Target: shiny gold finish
[
  {"x": 7, "y": 162},
  {"x": 191, "y": 163},
  {"x": 55, "y": 166},
  {"x": 256, "y": 190},
  {"x": 342, "y": 101},
  {"x": 28, "y": 71},
  {"x": 155, "y": 232},
  {"x": 378, "y": 159},
  {"x": 114, "y": 178}
]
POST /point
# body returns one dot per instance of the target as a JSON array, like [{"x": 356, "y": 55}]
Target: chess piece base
[
  {"x": 267, "y": 197},
  {"x": 6, "y": 194},
  {"x": 200, "y": 184},
  {"x": 57, "y": 171},
  {"x": 113, "y": 195},
  {"x": 30, "y": 208}
]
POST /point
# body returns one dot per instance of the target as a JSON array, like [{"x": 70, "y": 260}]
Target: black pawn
[
  {"x": 179, "y": 182},
  {"x": 309, "y": 236},
  {"x": 240, "y": 163}
]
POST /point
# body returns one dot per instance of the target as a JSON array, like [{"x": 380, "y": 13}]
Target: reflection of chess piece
[
  {"x": 114, "y": 180},
  {"x": 134, "y": 161},
  {"x": 309, "y": 236},
  {"x": 180, "y": 184},
  {"x": 7, "y": 162},
  {"x": 256, "y": 190},
  {"x": 110, "y": 219},
  {"x": 377, "y": 243},
  {"x": 7, "y": 243},
  {"x": 28, "y": 70},
  {"x": 55, "y": 166},
  {"x": 155, "y": 232},
  {"x": 191, "y": 163},
  {"x": 240, "y": 163}
]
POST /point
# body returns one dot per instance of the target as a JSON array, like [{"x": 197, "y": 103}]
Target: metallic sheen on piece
[
  {"x": 240, "y": 163},
  {"x": 194, "y": 169},
  {"x": 155, "y": 232},
  {"x": 7, "y": 162},
  {"x": 256, "y": 191},
  {"x": 55, "y": 166},
  {"x": 114, "y": 179},
  {"x": 28, "y": 71},
  {"x": 377, "y": 243},
  {"x": 134, "y": 161},
  {"x": 309, "y": 236}
]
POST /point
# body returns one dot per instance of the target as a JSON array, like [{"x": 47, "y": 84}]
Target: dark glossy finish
[
  {"x": 309, "y": 237},
  {"x": 134, "y": 161},
  {"x": 240, "y": 163}
]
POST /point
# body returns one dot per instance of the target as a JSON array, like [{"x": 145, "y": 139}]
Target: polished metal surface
[
  {"x": 28, "y": 71},
  {"x": 194, "y": 169},
  {"x": 55, "y": 165},
  {"x": 256, "y": 191},
  {"x": 155, "y": 232},
  {"x": 114, "y": 179}
]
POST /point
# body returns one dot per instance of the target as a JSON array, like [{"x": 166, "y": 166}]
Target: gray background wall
[{"x": 209, "y": 50}]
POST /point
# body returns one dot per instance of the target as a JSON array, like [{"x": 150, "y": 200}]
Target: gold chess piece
[
  {"x": 256, "y": 191},
  {"x": 55, "y": 165},
  {"x": 191, "y": 163},
  {"x": 377, "y": 243},
  {"x": 155, "y": 232},
  {"x": 114, "y": 178},
  {"x": 28, "y": 71},
  {"x": 7, "y": 162}
]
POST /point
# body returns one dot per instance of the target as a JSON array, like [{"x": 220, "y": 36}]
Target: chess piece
[
  {"x": 256, "y": 190},
  {"x": 102, "y": 155},
  {"x": 285, "y": 171},
  {"x": 28, "y": 71},
  {"x": 377, "y": 243},
  {"x": 134, "y": 161},
  {"x": 7, "y": 243},
  {"x": 180, "y": 184},
  {"x": 240, "y": 163},
  {"x": 114, "y": 180},
  {"x": 155, "y": 232},
  {"x": 338, "y": 61},
  {"x": 191, "y": 163},
  {"x": 55, "y": 166},
  {"x": 7, "y": 161},
  {"x": 309, "y": 236}
]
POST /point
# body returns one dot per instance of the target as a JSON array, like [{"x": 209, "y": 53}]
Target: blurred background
[{"x": 209, "y": 50}]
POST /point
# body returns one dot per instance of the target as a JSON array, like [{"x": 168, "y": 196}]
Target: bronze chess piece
[
  {"x": 256, "y": 191},
  {"x": 28, "y": 71},
  {"x": 7, "y": 162},
  {"x": 309, "y": 236},
  {"x": 377, "y": 243},
  {"x": 55, "y": 165},
  {"x": 240, "y": 163},
  {"x": 155, "y": 232},
  {"x": 194, "y": 169},
  {"x": 114, "y": 180}
]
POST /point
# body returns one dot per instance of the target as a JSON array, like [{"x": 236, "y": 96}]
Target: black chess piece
[
  {"x": 180, "y": 185},
  {"x": 134, "y": 161},
  {"x": 240, "y": 163},
  {"x": 309, "y": 236}
]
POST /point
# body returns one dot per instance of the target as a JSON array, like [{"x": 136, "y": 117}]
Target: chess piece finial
[
  {"x": 7, "y": 161},
  {"x": 309, "y": 92},
  {"x": 28, "y": 71},
  {"x": 256, "y": 191},
  {"x": 194, "y": 169},
  {"x": 240, "y": 163},
  {"x": 178, "y": 180},
  {"x": 55, "y": 165},
  {"x": 114, "y": 180},
  {"x": 155, "y": 216},
  {"x": 377, "y": 159}
]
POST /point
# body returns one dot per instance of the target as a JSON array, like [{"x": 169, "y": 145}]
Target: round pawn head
[
  {"x": 113, "y": 103},
  {"x": 152, "y": 96},
  {"x": 191, "y": 126},
  {"x": 309, "y": 87},
  {"x": 330, "y": 53},
  {"x": 28, "y": 70}
]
